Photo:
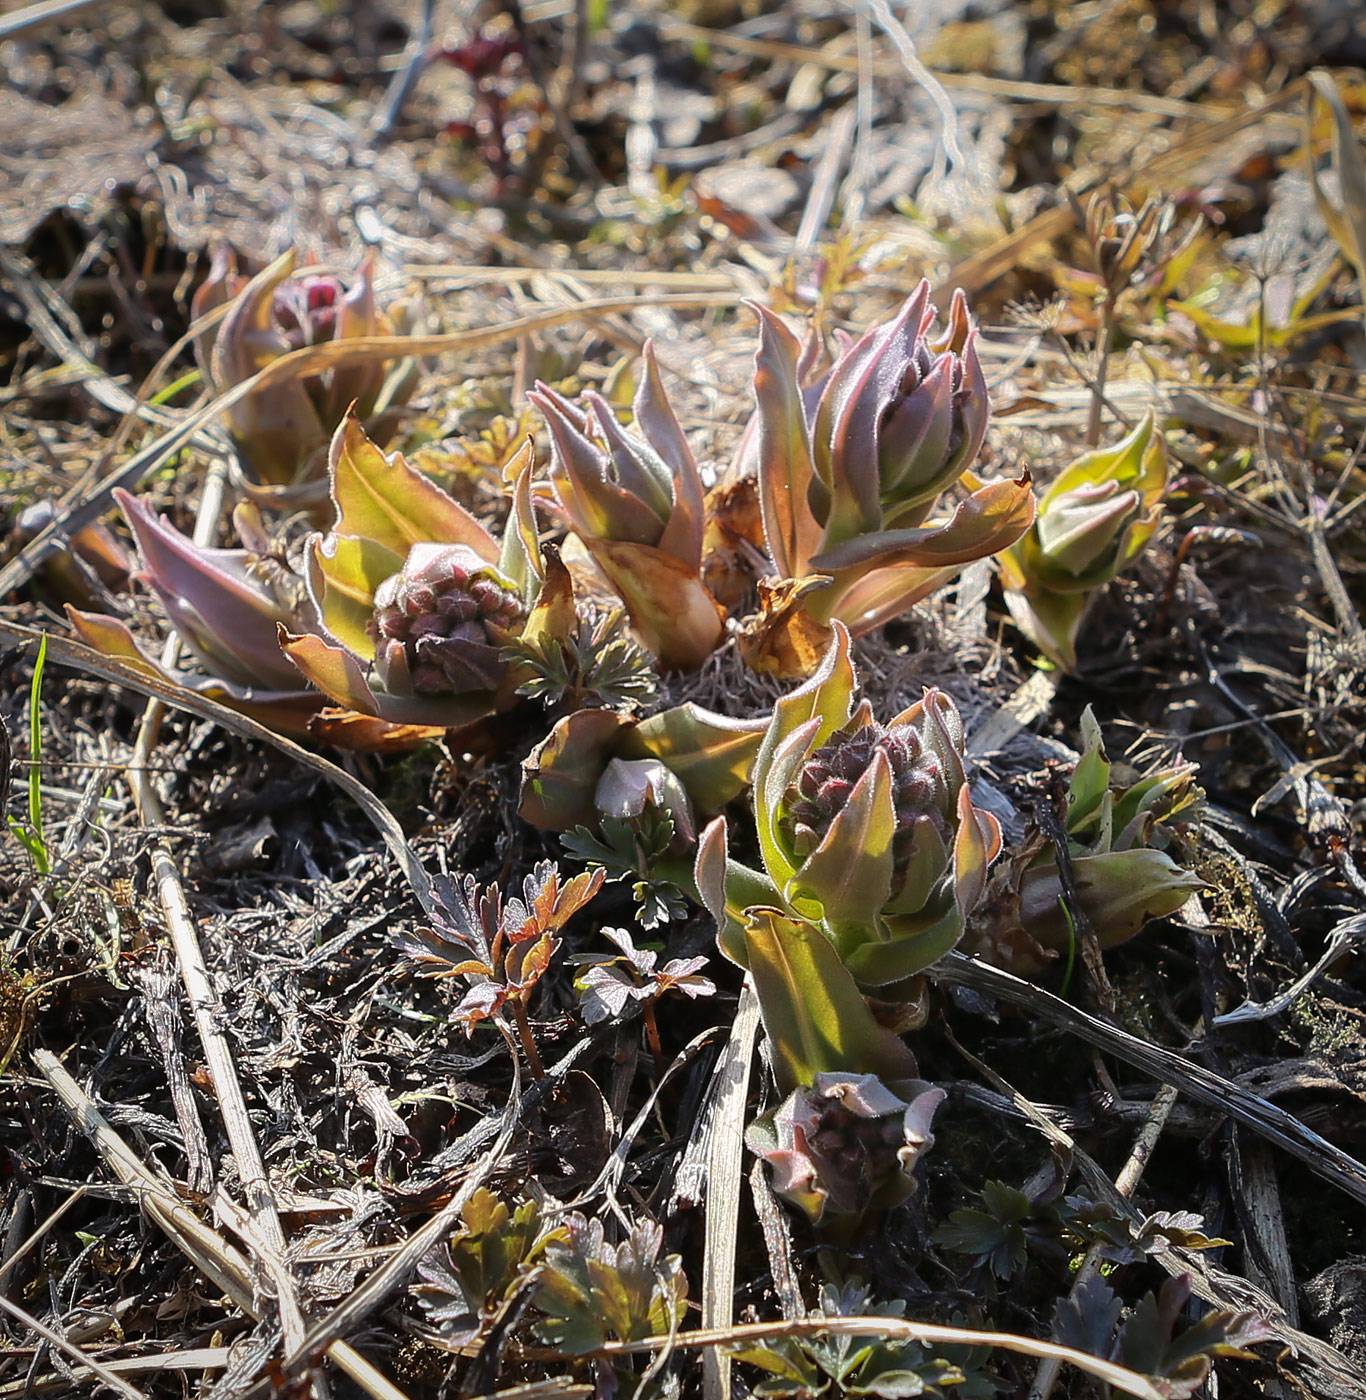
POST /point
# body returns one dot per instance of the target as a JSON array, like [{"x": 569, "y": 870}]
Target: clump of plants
[{"x": 868, "y": 857}]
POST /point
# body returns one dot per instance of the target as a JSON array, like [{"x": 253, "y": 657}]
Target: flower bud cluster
[
  {"x": 919, "y": 788},
  {"x": 441, "y": 622}
]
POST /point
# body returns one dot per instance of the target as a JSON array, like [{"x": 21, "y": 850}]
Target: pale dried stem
[
  {"x": 116, "y": 1383},
  {"x": 1270, "y": 1121},
  {"x": 198, "y": 983},
  {"x": 725, "y": 1171},
  {"x": 893, "y": 1329},
  {"x": 37, "y": 1236},
  {"x": 220, "y": 1262}
]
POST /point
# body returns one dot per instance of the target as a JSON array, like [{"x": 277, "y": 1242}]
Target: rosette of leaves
[
  {"x": 502, "y": 948},
  {"x": 1116, "y": 869},
  {"x": 645, "y": 824},
  {"x": 463, "y": 1285},
  {"x": 635, "y": 501},
  {"x": 1150, "y": 1340},
  {"x": 850, "y": 473},
  {"x": 873, "y": 856},
  {"x": 843, "y": 1148},
  {"x": 998, "y": 1236},
  {"x": 415, "y": 600},
  {"x": 596, "y": 658},
  {"x": 281, "y": 429},
  {"x": 1092, "y": 522},
  {"x": 867, "y": 831},
  {"x": 593, "y": 1291},
  {"x": 226, "y": 606}
]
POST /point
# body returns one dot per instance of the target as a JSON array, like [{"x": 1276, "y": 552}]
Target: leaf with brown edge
[
  {"x": 344, "y": 572},
  {"x": 712, "y": 755},
  {"x": 785, "y": 468},
  {"x": 384, "y": 499},
  {"x": 990, "y": 519},
  {"x": 560, "y": 775},
  {"x": 551, "y": 904},
  {"x": 553, "y": 617},
  {"x": 878, "y": 596},
  {"x": 288, "y": 711},
  {"x": 520, "y": 557},
  {"x": 358, "y": 733}
]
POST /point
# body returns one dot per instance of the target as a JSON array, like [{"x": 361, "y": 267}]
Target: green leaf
[
  {"x": 816, "y": 1019},
  {"x": 344, "y": 572},
  {"x": 712, "y": 755},
  {"x": 994, "y": 1236},
  {"x": 36, "y": 844},
  {"x": 592, "y": 1292},
  {"x": 785, "y": 468},
  {"x": 385, "y": 500},
  {"x": 560, "y": 776},
  {"x": 1090, "y": 778}
]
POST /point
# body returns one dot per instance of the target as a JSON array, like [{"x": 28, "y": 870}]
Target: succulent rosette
[
  {"x": 282, "y": 429},
  {"x": 226, "y": 606},
  {"x": 851, "y": 469},
  {"x": 867, "y": 831},
  {"x": 1093, "y": 521},
  {"x": 415, "y": 599},
  {"x": 635, "y": 500},
  {"x": 844, "y": 1147}
]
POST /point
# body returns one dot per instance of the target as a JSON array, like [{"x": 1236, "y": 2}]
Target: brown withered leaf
[
  {"x": 781, "y": 639},
  {"x": 734, "y": 539},
  {"x": 994, "y": 932},
  {"x": 349, "y": 729}
]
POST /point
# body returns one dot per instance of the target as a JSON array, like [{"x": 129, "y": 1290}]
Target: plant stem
[
  {"x": 652, "y": 1033},
  {"x": 1107, "y": 329},
  {"x": 533, "y": 1057}
]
